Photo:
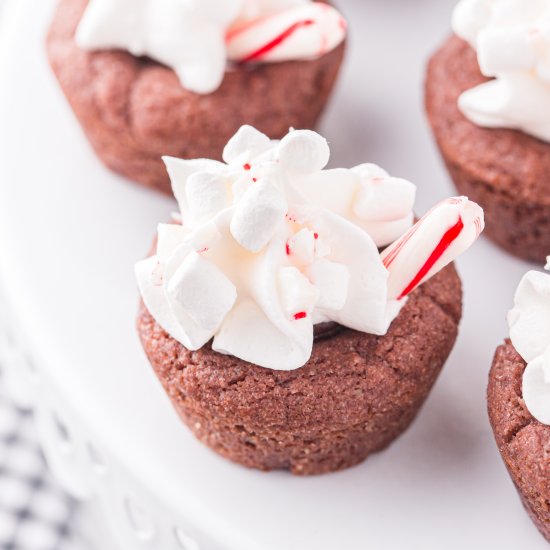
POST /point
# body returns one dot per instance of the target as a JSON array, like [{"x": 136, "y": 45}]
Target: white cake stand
[{"x": 70, "y": 232}]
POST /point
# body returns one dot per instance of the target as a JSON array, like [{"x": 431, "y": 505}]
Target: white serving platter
[{"x": 70, "y": 232}]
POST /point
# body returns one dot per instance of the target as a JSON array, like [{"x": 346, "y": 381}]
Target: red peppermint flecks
[
  {"x": 287, "y": 248},
  {"x": 202, "y": 250},
  {"x": 300, "y": 315},
  {"x": 247, "y": 166},
  {"x": 315, "y": 236}
]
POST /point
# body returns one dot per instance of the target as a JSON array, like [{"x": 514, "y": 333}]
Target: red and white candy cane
[
  {"x": 303, "y": 32},
  {"x": 434, "y": 241}
]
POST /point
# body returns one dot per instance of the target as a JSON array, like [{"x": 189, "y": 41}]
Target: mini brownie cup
[
  {"x": 522, "y": 440},
  {"x": 519, "y": 397},
  {"x": 355, "y": 396},
  {"x": 505, "y": 171},
  {"x": 282, "y": 335},
  {"x": 134, "y": 110}
]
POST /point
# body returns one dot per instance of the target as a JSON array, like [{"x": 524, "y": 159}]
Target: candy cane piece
[
  {"x": 444, "y": 233},
  {"x": 303, "y": 32}
]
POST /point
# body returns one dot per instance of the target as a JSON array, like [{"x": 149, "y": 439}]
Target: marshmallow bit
[
  {"x": 332, "y": 280},
  {"x": 170, "y": 236},
  {"x": 206, "y": 195},
  {"x": 257, "y": 216},
  {"x": 201, "y": 290},
  {"x": 301, "y": 247},
  {"x": 505, "y": 49},
  {"x": 181, "y": 170},
  {"x": 385, "y": 233},
  {"x": 536, "y": 388},
  {"x": 298, "y": 296},
  {"x": 180, "y": 326},
  {"x": 245, "y": 144},
  {"x": 384, "y": 200},
  {"x": 303, "y": 152},
  {"x": 469, "y": 18},
  {"x": 369, "y": 171},
  {"x": 445, "y": 232}
]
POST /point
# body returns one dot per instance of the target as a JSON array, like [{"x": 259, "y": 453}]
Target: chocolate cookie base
[
  {"x": 356, "y": 395},
  {"x": 523, "y": 441},
  {"x": 134, "y": 110},
  {"x": 507, "y": 172}
]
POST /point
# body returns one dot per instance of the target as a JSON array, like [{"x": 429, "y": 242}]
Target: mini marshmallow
[
  {"x": 333, "y": 189},
  {"x": 169, "y": 237},
  {"x": 181, "y": 170},
  {"x": 504, "y": 50},
  {"x": 206, "y": 195},
  {"x": 470, "y": 17},
  {"x": 384, "y": 200},
  {"x": 332, "y": 280},
  {"x": 245, "y": 144},
  {"x": 202, "y": 291},
  {"x": 303, "y": 152},
  {"x": 298, "y": 296},
  {"x": 301, "y": 247},
  {"x": 257, "y": 216},
  {"x": 369, "y": 171}
]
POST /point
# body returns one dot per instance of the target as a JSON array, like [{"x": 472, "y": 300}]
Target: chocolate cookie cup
[
  {"x": 354, "y": 397},
  {"x": 134, "y": 110},
  {"x": 298, "y": 317},
  {"x": 505, "y": 171},
  {"x": 522, "y": 440}
]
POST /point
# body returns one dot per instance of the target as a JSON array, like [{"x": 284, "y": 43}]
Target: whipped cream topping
[
  {"x": 271, "y": 243},
  {"x": 529, "y": 322},
  {"x": 512, "y": 41},
  {"x": 197, "y": 38}
]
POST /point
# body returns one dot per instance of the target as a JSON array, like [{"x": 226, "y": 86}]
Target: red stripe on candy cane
[
  {"x": 278, "y": 40},
  {"x": 448, "y": 238},
  {"x": 398, "y": 246}
]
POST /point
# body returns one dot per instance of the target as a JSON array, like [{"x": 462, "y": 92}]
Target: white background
[{"x": 70, "y": 232}]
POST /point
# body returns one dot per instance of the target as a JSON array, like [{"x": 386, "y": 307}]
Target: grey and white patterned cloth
[{"x": 35, "y": 514}]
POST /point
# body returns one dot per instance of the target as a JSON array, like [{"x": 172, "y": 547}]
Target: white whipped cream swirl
[
  {"x": 197, "y": 38},
  {"x": 529, "y": 322},
  {"x": 512, "y": 41},
  {"x": 271, "y": 244}
]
